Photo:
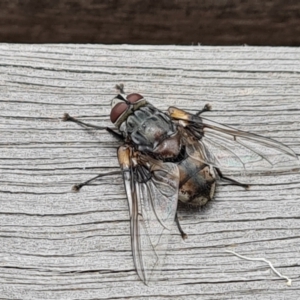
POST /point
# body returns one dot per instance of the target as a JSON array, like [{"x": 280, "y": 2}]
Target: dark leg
[
  {"x": 68, "y": 118},
  {"x": 183, "y": 234},
  {"x": 207, "y": 107},
  {"x": 119, "y": 136},
  {"x": 234, "y": 182},
  {"x": 77, "y": 187}
]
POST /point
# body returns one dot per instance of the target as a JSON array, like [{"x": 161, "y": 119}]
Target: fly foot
[
  {"x": 66, "y": 117},
  {"x": 76, "y": 188},
  {"x": 184, "y": 235},
  {"x": 207, "y": 107}
]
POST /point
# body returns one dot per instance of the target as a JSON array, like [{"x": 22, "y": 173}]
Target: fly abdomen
[{"x": 197, "y": 182}]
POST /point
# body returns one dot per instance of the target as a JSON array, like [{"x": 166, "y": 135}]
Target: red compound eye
[
  {"x": 134, "y": 97},
  {"x": 121, "y": 107},
  {"x": 117, "y": 111}
]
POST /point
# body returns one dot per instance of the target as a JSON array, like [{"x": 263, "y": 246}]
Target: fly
[{"x": 166, "y": 157}]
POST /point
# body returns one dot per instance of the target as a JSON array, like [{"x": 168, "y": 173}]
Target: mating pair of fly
[{"x": 166, "y": 157}]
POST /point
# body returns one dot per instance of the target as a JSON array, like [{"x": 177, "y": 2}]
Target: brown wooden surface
[
  {"x": 56, "y": 244},
  {"x": 209, "y": 22}
]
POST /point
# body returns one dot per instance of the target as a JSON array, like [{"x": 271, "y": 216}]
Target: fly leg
[
  {"x": 68, "y": 118},
  {"x": 117, "y": 135},
  {"x": 207, "y": 107},
  {"x": 183, "y": 234},
  {"x": 232, "y": 181},
  {"x": 78, "y": 186}
]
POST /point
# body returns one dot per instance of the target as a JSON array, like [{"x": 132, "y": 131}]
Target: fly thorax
[{"x": 148, "y": 127}]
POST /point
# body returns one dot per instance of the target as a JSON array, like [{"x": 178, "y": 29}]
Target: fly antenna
[
  {"x": 121, "y": 96},
  {"x": 120, "y": 88}
]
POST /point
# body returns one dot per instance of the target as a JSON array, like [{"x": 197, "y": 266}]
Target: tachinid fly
[{"x": 166, "y": 157}]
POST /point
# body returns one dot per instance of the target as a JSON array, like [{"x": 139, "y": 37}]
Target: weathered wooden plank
[{"x": 59, "y": 245}]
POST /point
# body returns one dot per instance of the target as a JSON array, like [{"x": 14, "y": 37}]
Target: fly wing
[
  {"x": 152, "y": 192},
  {"x": 234, "y": 149},
  {"x": 227, "y": 148}
]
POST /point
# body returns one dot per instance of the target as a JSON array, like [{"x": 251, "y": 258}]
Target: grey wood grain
[{"x": 56, "y": 244}]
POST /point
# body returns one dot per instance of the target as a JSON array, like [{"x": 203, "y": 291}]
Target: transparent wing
[
  {"x": 227, "y": 148},
  {"x": 152, "y": 192}
]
